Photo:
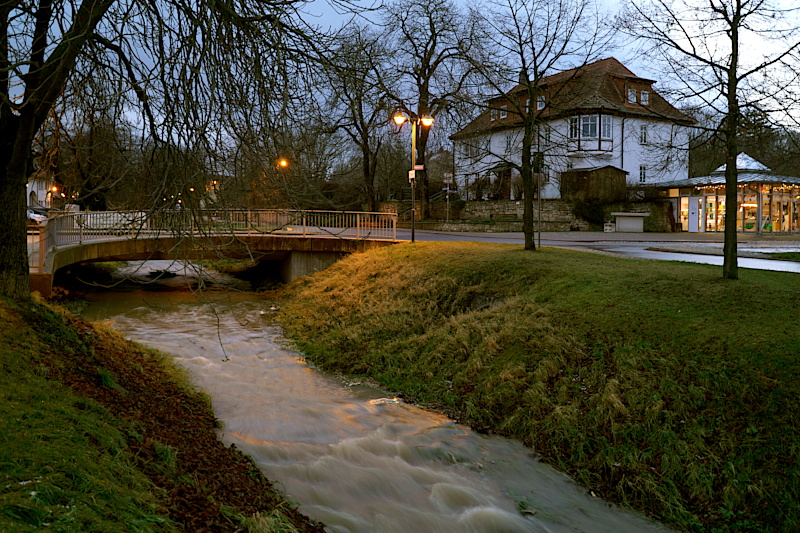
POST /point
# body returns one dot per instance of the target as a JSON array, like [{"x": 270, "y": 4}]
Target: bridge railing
[{"x": 79, "y": 227}]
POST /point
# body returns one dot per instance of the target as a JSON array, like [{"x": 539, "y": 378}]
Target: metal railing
[{"x": 84, "y": 226}]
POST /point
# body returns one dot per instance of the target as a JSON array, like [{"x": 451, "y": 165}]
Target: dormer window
[
  {"x": 503, "y": 111},
  {"x": 540, "y": 103},
  {"x": 631, "y": 96},
  {"x": 644, "y": 98}
]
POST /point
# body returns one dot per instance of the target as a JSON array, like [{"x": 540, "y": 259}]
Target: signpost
[{"x": 447, "y": 178}]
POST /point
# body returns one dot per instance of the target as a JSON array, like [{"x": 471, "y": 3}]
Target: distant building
[
  {"x": 593, "y": 118},
  {"x": 40, "y": 190},
  {"x": 767, "y": 202}
]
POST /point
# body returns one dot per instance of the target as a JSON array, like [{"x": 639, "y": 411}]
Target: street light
[{"x": 426, "y": 121}]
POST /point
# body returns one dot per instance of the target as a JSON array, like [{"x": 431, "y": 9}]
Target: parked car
[{"x": 37, "y": 215}]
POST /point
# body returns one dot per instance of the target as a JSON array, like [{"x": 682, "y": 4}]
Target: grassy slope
[
  {"x": 57, "y": 448},
  {"x": 656, "y": 384},
  {"x": 97, "y": 434}
]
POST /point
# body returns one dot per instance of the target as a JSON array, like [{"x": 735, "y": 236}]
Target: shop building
[{"x": 767, "y": 203}]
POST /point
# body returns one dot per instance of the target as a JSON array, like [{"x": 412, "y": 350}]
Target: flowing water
[{"x": 348, "y": 454}]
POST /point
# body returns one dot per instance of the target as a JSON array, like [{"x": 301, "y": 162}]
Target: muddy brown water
[{"x": 348, "y": 454}]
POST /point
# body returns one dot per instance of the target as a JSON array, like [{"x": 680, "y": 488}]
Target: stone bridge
[{"x": 300, "y": 242}]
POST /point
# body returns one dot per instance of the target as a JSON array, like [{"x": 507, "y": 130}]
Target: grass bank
[
  {"x": 99, "y": 434},
  {"x": 657, "y": 385}
]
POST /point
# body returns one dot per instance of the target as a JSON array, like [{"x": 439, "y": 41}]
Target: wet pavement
[{"x": 753, "y": 250}]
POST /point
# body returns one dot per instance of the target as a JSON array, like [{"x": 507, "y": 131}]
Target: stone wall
[{"x": 506, "y": 215}]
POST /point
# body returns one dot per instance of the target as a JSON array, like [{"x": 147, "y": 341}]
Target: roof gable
[
  {"x": 745, "y": 162},
  {"x": 599, "y": 87}
]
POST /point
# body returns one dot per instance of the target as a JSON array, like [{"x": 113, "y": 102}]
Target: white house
[
  {"x": 597, "y": 116},
  {"x": 40, "y": 190}
]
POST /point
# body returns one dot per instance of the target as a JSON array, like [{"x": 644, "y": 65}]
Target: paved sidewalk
[
  {"x": 778, "y": 241},
  {"x": 709, "y": 244}
]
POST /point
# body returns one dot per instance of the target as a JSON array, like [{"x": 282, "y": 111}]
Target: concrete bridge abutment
[{"x": 300, "y": 263}]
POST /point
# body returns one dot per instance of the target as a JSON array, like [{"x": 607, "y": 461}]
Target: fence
[{"x": 79, "y": 227}]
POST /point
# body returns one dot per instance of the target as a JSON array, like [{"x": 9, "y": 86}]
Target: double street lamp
[{"x": 424, "y": 121}]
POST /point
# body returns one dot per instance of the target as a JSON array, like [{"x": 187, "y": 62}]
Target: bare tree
[
  {"x": 431, "y": 39},
  {"x": 88, "y": 151},
  {"x": 358, "y": 100},
  {"x": 187, "y": 69},
  {"x": 705, "y": 45},
  {"x": 529, "y": 41}
]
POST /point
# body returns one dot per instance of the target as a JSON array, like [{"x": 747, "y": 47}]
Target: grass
[
  {"x": 100, "y": 434},
  {"x": 786, "y": 256},
  {"x": 657, "y": 385},
  {"x": 63, "y": 459}
]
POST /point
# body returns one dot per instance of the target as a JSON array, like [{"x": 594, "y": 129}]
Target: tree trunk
[
  {"x": 14, "y": 269},
  {"x": 526, "y": 172},
  {"x": 368, "y": 170},
  {"x": 730, "y": 264}
]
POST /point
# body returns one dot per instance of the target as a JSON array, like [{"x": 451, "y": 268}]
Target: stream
[{"x": 350, "y": 455}]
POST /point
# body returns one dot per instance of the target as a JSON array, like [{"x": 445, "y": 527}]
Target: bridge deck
[{"x": 92, "y": 236}]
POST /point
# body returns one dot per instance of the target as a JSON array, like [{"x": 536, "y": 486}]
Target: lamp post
[{"x": 425, "y": 121}]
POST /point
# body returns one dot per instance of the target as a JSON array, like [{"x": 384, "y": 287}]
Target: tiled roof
[
  {"x": 719, "y": 179},
  {"x": 596, "y": 87}
]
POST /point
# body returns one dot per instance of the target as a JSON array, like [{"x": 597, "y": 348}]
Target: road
[{"x": 703, "y": 248}]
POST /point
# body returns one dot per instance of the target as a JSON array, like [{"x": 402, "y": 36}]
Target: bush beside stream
[{"x": 656, "y": 385}]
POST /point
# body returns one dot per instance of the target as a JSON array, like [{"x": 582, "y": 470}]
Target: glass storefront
[
  {"x": 683, "y": 214},
  {"x": 747, "y": 217},
  {"x": 763, "y": 208}
]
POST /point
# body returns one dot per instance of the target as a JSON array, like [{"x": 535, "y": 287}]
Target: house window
[
  {"x": 644, "y": 98},
  {"x": 544, "y": 134},
  {"x": 540, "y": 103},
  {"x": 574, "y": 132},
  {"x": 492, "y": 114},
  {"x": 642, "y": 134},
  {"x": 472, "y": 152},
  {"x": 503, "y": 111},
  {"x": 537, "y": 163},
  {"x": 544, "y": 177},
  {"x": 510, "y": 138},
  {"x": 589, "y": 126},
  {"x": 642, "y": 174},
  {"x": 605, "y": 127},
  {"x": 631, "y": 96},
  {"x": 570, "y": 165}
]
